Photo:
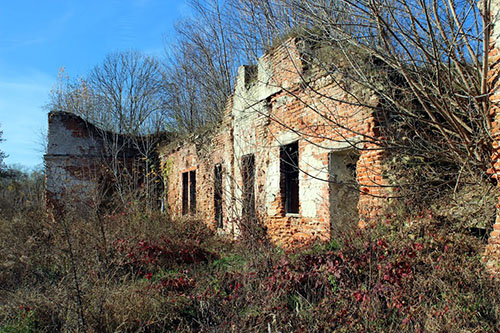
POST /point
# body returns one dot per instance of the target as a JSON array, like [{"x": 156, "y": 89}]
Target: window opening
[
  {"x": 185, "y": 193},
  {"x": 218, "y": 195},
  {"x": 289, "y": 166},
  {"x": 248, "y": 175},
  {"x": 192, "y": 191}
]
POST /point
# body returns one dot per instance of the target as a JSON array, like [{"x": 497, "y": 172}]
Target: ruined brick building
[
  {"x": 287, "y": 155},
  {"x": 73, "y": 151},
  {"x": 299, "y": 173}
]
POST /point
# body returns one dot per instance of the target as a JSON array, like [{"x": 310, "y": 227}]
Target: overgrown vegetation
[
  {"x": 134, "y": 269},
  {"x": 131, "y": 271},
  {"x": 20, "y": 189}
]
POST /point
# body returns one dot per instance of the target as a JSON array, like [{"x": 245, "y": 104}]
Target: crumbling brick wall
[
  {"x": 284, "y": 111},
  {"x": 270, "y": 109},
  {"x": 492, "y": 253},
  {"x": 70, "y": 160},
  {"x": 76, "y": 161},
  {"x": 200, "y": 154},
  {"x": 287, "y": 155}
]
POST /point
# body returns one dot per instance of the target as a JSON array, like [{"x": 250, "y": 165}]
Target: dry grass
[{"x": 137, "y": 272}]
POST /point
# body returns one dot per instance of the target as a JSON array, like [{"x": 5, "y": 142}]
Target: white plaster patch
[
  {"x": 347, "y": 145},
  {"x": 312, "y": 178},
  {"x": 272, "y": 185},
  {"x": 283, "y": 100},
  {"x": 286, "y": 137},
  {"x": 63, "y": 184},
  {"x": 495, "y": 13},
  {"x": 244, "y": 97},
  {"x": 63, "y": 142}
]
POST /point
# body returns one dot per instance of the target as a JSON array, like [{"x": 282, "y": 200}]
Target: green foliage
[
  {"x": 234, "y": 261},
  {"x": 333, "y": 283},
  {"x": 21, "y": 190},
  {"x": 22, "y": 323}
]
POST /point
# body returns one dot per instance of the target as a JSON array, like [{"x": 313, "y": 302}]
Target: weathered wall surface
[
  {"x": 79, "y": 160},
  {"x": 70, "y": 162},
  {"x": 200, "y": 154},
  {"x": 284, "y": 112},
  {"x": 492, "y": 254},
  {"x": 271, "y": 108}
]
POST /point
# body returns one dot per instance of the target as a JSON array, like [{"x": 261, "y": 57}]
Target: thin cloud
[{"x": 9, "y": 44}]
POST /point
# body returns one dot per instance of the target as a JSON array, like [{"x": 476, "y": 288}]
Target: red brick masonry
[{"x": 270, "y": 108}]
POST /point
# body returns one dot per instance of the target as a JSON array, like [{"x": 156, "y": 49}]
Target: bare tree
[
  {"x": 425, "y": 60},
  {"x": 71, "y": 95},
  {"x": 129, "y": 85},
  {"x": 202, "y": 66},
  {"x": 124, "y": 98},
  {"x": 2, "y": 155},
  {"x": 124, "y": 94}
]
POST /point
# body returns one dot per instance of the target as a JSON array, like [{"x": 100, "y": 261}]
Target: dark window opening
[
  {"x": 185, "y": 193},
  {"x": 248, "y": 175},
  {"x": 192, "y": 192},
  {"x": 289, "y": 167},
  {"x": 218, "y": 195},
  {"x": 189, "y": 192}
]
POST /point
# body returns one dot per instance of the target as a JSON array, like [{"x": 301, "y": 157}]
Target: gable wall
[{"x": 70, "y": 162}]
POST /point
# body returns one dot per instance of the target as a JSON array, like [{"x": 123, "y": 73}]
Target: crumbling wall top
[{"x": 71, "y": 135}]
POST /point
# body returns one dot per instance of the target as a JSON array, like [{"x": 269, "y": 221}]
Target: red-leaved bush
[{"x": 408, "y": 273}]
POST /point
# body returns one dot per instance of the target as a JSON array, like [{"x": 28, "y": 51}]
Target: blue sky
[{"x": 37, "y": 38}]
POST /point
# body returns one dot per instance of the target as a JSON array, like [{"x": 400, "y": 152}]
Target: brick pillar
[{"x": 492, "y": 253}]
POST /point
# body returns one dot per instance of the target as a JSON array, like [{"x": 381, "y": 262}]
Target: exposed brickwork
[
  {"x": 75, "y": 158},
  {"x": 492, "y": 253},
  {"x": 269, "y": 109},
  {"x": 199, "y": 154},
  {"x": 70, "y": 158}
]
